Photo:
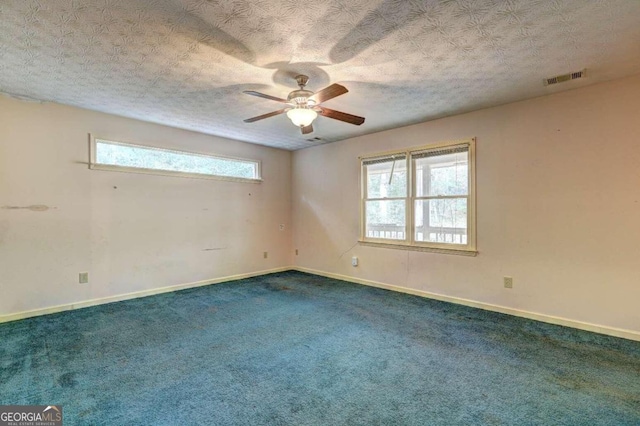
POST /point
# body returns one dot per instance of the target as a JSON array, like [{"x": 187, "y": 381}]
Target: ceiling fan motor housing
[{"x": 301, "y": 97}]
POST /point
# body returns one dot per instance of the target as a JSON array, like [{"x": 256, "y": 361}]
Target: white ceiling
[{"x": 185, "y": 63}]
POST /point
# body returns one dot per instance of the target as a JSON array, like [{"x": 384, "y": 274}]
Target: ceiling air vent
[{"x": 565, "y": 77}]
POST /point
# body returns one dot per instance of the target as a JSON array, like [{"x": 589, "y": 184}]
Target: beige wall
[
  {"x": 558, "y": 182},
  {"x": 558, "y": 209},
  {"x": 131, "y": 232}
]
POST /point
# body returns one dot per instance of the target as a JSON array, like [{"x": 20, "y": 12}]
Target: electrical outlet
[
  {"x": 296, "y": 252},
  {"x": 266, "y": 254},
  {"x": 354, "y": 261},
  {"x": 83, "y": 277},
  {"x": 508, "y": 282}
]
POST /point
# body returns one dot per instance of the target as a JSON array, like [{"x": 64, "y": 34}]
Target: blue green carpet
[{"x": 297, "y": 349}]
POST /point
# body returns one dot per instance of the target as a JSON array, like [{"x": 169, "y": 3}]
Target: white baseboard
[
  {"x": 610, "y": 331},
  {"x": 133, "y": 295}
]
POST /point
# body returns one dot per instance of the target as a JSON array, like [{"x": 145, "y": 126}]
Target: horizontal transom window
[
  {"x": 423, "y": 198},
  {"x": 119, "y": 156}
]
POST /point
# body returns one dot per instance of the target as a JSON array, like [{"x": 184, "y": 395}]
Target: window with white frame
[
  {"x": 422, "y": 197},
  {"x": 119, "y": 156}
]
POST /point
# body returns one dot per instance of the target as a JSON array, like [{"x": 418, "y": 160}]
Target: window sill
[
  {"x": 157, "y": 172},
  {"x": 459, "y": 252}
]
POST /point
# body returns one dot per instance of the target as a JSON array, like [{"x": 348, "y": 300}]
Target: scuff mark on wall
[
  {"x": 215, "y": 248},
  {"x": 33, "y": 208},
  {"x": 347, "y": 250}
]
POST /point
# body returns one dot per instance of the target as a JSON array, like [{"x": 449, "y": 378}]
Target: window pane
[
  {"x": 174, "y": 161},
  {"x": 385, "y": 219},
  {"x": 378, "y": 177},
  {"x": 446, "y": 174},
  {"x": 441, "y": 220}
]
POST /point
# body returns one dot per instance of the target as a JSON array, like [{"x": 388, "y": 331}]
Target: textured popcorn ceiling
[{"x": 185, "y": 63}]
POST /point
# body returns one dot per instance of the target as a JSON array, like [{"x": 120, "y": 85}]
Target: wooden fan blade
[
  {"x": 262, "y": 95},
  {"x": 342, "y": 116},
  {"x": 307, "y": 129},
  {"x": 263, "y": 116},
  {"x": 329, "y": 92}
]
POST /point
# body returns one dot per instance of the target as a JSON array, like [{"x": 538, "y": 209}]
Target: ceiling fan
[{"x": 304, "y": 105}]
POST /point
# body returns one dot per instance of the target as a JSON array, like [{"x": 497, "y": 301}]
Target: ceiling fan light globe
[{"x": 302, "y": 117}]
